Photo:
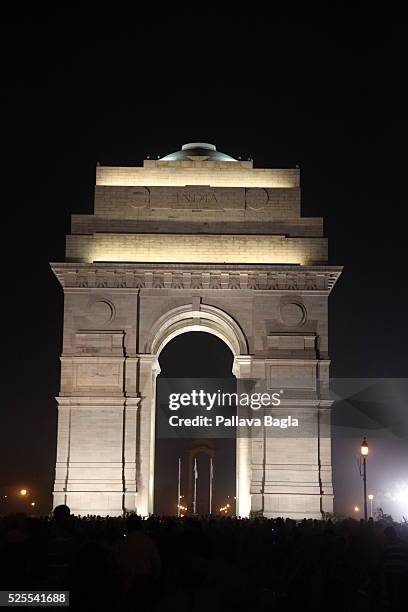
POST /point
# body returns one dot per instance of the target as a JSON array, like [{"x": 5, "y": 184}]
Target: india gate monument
[{"x": 194, "y": 241}]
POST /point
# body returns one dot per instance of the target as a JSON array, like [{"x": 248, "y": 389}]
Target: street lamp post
[
  {"x": 364, "y": 453},
  {"x": 371, "y": 497}
]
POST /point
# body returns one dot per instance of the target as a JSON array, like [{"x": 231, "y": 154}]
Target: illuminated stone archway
[{"x": 195, "y": 241}]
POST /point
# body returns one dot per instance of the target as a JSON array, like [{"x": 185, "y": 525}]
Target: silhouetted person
[
  {"x": 92, "y": 582},
  {"x": 62, "y": 547},
  {"x": 139, "y": 564}
]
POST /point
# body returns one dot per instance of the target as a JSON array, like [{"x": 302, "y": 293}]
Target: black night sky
[{"x": 329, "y": 96}]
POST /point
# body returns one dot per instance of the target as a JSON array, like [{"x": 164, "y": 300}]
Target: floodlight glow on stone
[{"x": 195, "y": 241}]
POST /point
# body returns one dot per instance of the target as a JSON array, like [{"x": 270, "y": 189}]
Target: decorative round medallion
[
  {"x": 140, "y": 197},
  {"x": 256, "y": 198},
  {"x": 293, "y": 314},
  {"x": 102, "y": 311}
]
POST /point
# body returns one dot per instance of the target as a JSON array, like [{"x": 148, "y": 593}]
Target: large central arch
[
  {"x": 208, "y": 319},
  {"x": 176, "y": 321}
]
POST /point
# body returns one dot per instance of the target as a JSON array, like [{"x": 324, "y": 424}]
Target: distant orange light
[
  {"x": 33, "y": 503},
  {"x": 23, "y": 492},
  {"x": 356, "y": 508}
]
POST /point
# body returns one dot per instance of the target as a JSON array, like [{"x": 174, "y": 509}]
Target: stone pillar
[
  {"x": 242, "y": 370},
  {"x": 148, "y": 370},
  {"x": 285, "y": 472},
  {"x": 130, "y": 431},
  {"x": 62, "y": 462},
  {"x": 89, "y": 477},
  {"x": 292, "y": 470},
  {"x": 325, "y": 463}
]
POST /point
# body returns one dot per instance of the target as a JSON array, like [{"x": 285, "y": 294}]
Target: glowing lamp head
[
  {"x": 364, "y": 448},
  {"x": 356, "y": 508},
  {"x": 23, "y": 492},
  {"x": 371, "y": 497}
]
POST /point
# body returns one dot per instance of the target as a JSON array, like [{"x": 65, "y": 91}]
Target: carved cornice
[{"x": 194, "y": 276}]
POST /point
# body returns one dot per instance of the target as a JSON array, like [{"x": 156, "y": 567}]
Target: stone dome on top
[{"x": 200, "y": 151}]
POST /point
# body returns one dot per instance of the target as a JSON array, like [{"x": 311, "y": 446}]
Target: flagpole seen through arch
[
  {"x": 179, "y": 487},
  {"x": 195, "y": 486},
  {"x": 211, "y": 482}
]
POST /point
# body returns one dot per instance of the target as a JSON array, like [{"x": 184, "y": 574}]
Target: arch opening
[{"x": 193, "y": 359}]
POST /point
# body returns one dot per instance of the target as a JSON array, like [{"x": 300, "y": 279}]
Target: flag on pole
[
  {"x": 211, "y": 482},
  {"x": 179, "y": 487},
  {"x": 195, "y": 486}
]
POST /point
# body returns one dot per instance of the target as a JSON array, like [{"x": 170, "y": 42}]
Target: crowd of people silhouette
[{"x": 207, "y": 563}]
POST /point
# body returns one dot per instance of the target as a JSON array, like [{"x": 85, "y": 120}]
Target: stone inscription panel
[
  {"x": 99, "y": 342},
  {"x": 98, "y": 374},
  {"x": 119, "y": 202},
  {"x": 291, "y": 377},
  {"x": 196, "y": 198}
]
